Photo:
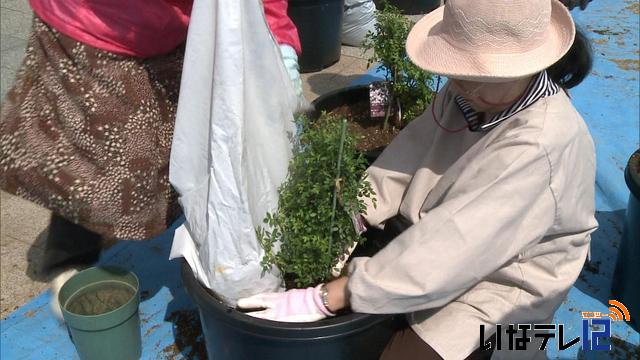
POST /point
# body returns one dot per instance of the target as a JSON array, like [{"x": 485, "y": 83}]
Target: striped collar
[{"x": 540, "y": 87}]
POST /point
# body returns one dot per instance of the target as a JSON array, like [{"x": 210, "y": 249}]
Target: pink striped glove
[{"x": 296, "y": 305}]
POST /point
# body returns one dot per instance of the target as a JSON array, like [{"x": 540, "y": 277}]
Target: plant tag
[
  {"x": 336, "y": 270},
  {"x": 359, "y": 224},
  {"x": 360, "y": 227},
  {"x": 379, "y": 97}
]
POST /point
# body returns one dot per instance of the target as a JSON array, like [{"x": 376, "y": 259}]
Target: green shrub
[
  {"x": 410, "y": 84},
  {"x": 312, "y": 226}
]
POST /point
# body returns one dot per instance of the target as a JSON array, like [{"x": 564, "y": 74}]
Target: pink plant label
[{"x": 379, "y": 98}]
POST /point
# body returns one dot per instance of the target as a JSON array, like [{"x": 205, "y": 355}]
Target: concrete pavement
[{"x": 21, "y": 223}]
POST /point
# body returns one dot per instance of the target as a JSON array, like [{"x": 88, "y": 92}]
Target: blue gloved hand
[{"x": 291, "y": 64}]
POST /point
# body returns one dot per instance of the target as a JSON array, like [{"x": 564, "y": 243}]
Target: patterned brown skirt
[{"x": 87, "y": 134}]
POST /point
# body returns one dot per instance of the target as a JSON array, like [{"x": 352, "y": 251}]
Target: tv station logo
[{"x": 596, "y": 327}]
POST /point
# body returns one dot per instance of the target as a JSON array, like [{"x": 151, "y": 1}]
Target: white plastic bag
[
  {"x": 358, "y": 19},
  {"x": 231, "y": 145}
]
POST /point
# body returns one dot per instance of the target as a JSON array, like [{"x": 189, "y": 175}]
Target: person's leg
[
  {"x": 69, "y": 248},
  {"x": 480, "y": 354},
  {"x": 406, "y": 344}
]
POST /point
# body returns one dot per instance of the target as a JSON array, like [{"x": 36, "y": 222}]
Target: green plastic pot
[{"x": 110, "y": 335}]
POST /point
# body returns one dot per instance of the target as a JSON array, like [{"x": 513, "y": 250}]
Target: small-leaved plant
[
  {"x": 325, "y": 186},
  {"x": 410, "y": 84}
]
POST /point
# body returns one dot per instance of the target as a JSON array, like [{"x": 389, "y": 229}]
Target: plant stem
[
  {"x": 399, "y": 113},
  {"x": 335, "y": 188},
  {"x": 385, "y": 125},
  {"x": 392, "y": 93}
]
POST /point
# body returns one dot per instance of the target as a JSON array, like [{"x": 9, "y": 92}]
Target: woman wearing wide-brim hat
[{"x": 495, "y": 181}]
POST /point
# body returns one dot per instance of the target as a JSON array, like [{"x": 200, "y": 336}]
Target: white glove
[
  {"x": 291, "y": 64},
  {"x": 296, "y": 305}
]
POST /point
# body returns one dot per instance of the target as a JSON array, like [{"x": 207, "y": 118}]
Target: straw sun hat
[{"x": 491, "y": 40}]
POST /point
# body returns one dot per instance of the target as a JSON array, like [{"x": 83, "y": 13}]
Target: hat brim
[{"x": 431, "y": 52}]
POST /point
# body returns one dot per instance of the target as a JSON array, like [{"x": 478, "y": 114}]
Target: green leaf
[{"x": 302, "y": 222}]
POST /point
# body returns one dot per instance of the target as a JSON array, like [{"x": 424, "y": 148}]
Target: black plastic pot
[
  {"x": 414, "y": 7},
  {"x": 230, "y": 334},
  {"x": 345, "y": 96},
  {"x": 625, "y": 279},
  {"x": 319, "y": 24}
]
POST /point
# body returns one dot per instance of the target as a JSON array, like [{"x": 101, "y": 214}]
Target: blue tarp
[{"x": 609, "y": 101}]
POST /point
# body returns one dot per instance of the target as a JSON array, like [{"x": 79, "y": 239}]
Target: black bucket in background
[
  {"x": 625, "y": 279},
  {"x": 230, "y": 334},
  {"x": 413, "y": 7},
  {"x": 319, "y": 24}
]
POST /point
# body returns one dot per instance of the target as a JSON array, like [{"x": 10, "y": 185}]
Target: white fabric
[
  {"x": 358, "y": 19},
  {"x": 56, "y": 285},
  {"x": 231, "y": 144}
]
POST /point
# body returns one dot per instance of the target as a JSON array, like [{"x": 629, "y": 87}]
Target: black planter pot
[
  {"x": 345, "y": 96},
  {"x": 230, "y": 334},
  {"x": 414, "y": 7},
  {"x": 319, "y": 24},
  {"x": 626, "y": 277}
]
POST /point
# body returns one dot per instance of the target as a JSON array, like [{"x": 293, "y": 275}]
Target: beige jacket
[{"x": 501, "y": 222}]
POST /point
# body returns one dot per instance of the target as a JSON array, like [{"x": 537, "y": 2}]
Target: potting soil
[
  {"x": 99, "y": 298},
  {"x": 368, "y": 130}
]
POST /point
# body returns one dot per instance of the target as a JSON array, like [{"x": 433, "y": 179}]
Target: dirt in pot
[
  {"x": 371, "y": 133},
  {"x": 100, "y": 298}
]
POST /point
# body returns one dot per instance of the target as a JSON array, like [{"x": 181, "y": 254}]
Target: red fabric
[
  {"x": 281, "y": 25},
  {"x": 142, "y": 28}
]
